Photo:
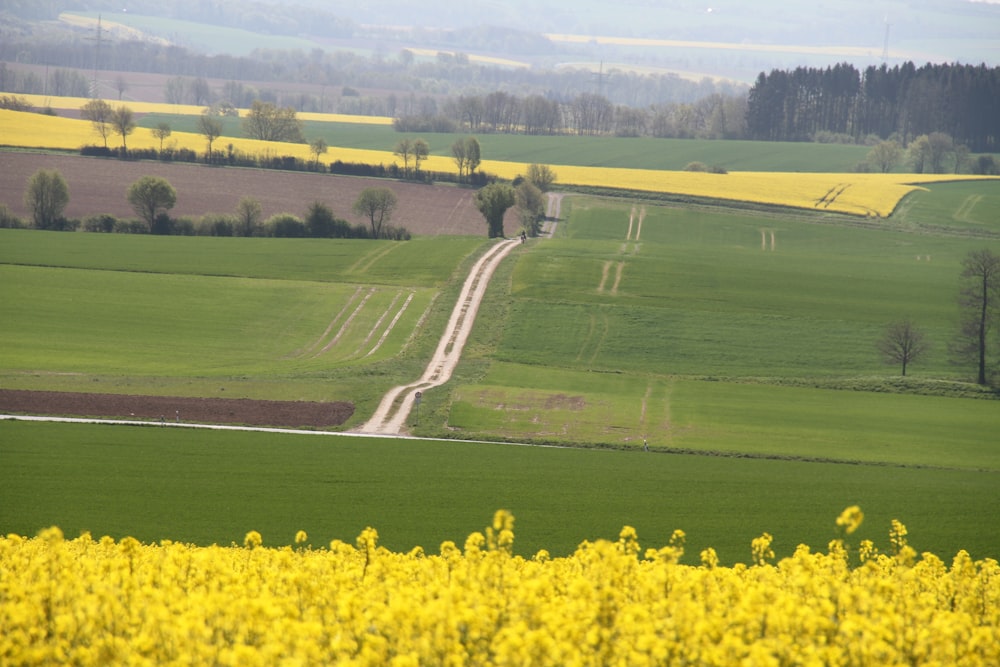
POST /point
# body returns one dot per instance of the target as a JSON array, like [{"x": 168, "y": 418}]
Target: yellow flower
[
  {"x": 253, "y": 540},
  {"x": 850, "y": 519}
]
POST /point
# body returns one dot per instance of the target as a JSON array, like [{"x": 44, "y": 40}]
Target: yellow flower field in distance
[
  {"x": 75, "y": 103},
  {"x": 869, "y": 195},
  {"x": 95, "y": 602}
]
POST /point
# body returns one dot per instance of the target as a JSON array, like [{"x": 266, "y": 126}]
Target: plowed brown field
[
  {"x": 290, "y": 414},
  {"x": 98, "y": 185}
]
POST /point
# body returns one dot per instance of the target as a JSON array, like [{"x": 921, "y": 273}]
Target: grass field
[
  {"x": 213, "y": 487},
  {"x": 257, "y": 318}
]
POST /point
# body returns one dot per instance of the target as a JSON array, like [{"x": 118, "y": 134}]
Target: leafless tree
[
  {"x": 902, "y": 343},
  {"x": 979, "y": 300}
]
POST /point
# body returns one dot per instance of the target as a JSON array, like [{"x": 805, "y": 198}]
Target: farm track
[{"x": 390, "y": 416}]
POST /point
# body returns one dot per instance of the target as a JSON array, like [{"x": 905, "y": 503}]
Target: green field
[
  {"x": 644, "y": 153},
  {"x": 748, "y": 364},
  {"x": 213, "y": 487},
  {"x": 259, "y": 318}
]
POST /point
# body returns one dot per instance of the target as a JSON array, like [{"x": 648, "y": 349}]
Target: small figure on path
[{"x": 645, "y": 445}]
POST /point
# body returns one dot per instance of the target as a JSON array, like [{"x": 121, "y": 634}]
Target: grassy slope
[{"x": 195, "y": 317}]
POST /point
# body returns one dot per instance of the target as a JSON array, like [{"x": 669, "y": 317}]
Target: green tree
[
  {"x": 267, "y": 122},
  {"x": 902, "y": 343},
  {"x": 150, "y": 196},
  {"x": 531, "y": 207},
  {"x": 123, "y": 122},
  {"x": 885, "y": 155},
  {"x": 161, "y": 132},
  {"x": 541, "y": 176},
  {"x": 919, "y": 154},
  {"x": 493, "y": 202},
  {"x": 318, "y": 147},
  {"x": 466, "y": 153},
  {"x": 99, "y": 113},
  {"x": 210, "y": 127},
  {"x": 46, "y": 197},
  {"x": 404, "y": 151},
  {"x": 979, "y": 301},
  {"x": 249, "y": 214},
  {"x": 376, "y": 204}
]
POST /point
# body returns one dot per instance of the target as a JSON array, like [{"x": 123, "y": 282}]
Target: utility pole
[
  {"x": 97, "y": 57},
  {"x": 885, "y": 42}
]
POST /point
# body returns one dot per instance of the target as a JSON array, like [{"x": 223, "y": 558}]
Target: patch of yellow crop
[
  {"x": 855, "y": 194},
  {"x": 29, "y": 130},
  {"x": 96, "y": 602},
  {"x": 75, "y": 103}
]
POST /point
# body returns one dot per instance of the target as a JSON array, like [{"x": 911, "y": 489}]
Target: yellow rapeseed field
[
  {"x": 87, "y": 602},
  {"x": 74, "y": 103},
  {"x": 870, "y": 195}
]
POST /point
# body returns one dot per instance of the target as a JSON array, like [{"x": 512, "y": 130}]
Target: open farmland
[
  {"x": 856, "y": 194},
  {"x": 287, "y": 319}
]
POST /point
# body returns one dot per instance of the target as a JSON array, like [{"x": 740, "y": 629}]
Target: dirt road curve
[
  {"x": 395, "y": 407},
  {"x": 392, "y": 412}
]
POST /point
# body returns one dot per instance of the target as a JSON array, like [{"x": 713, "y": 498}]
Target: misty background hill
[{"x": 727, "y": 39}]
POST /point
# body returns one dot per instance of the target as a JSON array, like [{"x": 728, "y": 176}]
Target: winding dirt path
[{"x": 390, "y": 416}]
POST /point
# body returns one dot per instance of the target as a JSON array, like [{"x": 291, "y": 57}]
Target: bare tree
[
  {"x": 420, "y": 152},
  {"x": 161, "y": 132},
  {"x": 902, "y": 343},
  {"x": 318, "y": 147},
  {"x": 99, "y": 113},
  {"x": 123, "y": 123},
  {"x": 210, "y": 127},
  {"x": 404, "y": 151},
  {"x": 979, "y": 300},
  {"x": 376, "y": 204}
]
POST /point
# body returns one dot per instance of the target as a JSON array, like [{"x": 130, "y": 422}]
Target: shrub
[
  {"x": 103, "y": 223},
  {"x": 696, "y": 166},
  {"x": 131, "y": 226},
  {"x": 10, "y": 221},
  {"x": 285, "y": 225},
  {"x": 215, "y": 224}
]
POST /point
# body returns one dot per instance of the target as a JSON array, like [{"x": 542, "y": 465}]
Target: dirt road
[{"x": 392, "y": 412}]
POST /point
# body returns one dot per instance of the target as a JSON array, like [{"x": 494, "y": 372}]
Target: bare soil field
[
  {"x": 99, "y": 185},
  {"x": 290, "y": 414}
]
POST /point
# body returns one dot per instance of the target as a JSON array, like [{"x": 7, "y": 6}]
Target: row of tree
[
  {"x": 905, "y": 343},
  {"x": 449, "y": 74},
  {"x": 151, "y": 197},
  {"x": 962, "y": 101}
]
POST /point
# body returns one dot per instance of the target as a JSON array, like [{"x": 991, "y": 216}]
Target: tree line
[
  {"x": 152, "y": 197},
  {"x": 902, "y": 102}
]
